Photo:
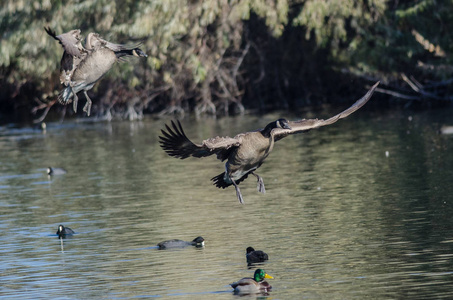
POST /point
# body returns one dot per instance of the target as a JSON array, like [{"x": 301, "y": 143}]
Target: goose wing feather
[
  {"x": 175, "y": 142},
  {"x": 112, "y": 46},
  {"x": 304, "y": 125},
  {"x": 71, "y": 41}
]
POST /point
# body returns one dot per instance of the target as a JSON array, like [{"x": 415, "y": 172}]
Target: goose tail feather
[
  {"x": 65, "y": 95},
  {"x": 219, "y": 180}
]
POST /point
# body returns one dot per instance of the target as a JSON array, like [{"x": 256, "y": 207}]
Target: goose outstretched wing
[
  {"x": 71, "y": 41},
  {"x": 95, "y": 41},
  {"x": 175, "y": 142},
  {"x": 304, "y": 125}
]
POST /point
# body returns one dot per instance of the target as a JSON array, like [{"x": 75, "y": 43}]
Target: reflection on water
[{"x": 340, "y": 220}]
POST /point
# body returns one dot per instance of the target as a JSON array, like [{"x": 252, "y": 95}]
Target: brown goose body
[
  {"x": 82, "y": 66},
  {"x": 87, "y": 74},
  {"x": 254, "y": 149},
  {"x": 245, "y": 152}
]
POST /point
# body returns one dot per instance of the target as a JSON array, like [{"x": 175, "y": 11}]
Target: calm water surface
[{"x": 340, "y": 219}]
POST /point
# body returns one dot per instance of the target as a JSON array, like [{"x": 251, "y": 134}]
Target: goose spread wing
[
  {"x": 307, "y": 124},
  {"x": 175, "y": 142},
  {"x": 118, "y": 47},
  {"x": 71, "y": 41},
  {"x": 96, "y": 41}
]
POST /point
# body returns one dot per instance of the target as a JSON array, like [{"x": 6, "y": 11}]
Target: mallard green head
[{"x": 260, "y": 275}]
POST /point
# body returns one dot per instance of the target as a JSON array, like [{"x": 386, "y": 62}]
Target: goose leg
[
  {"x": 238, "y": 192},
  {"x": 74, "y": 104},
  {"x": 260, "y": 185},
  {"x": 87, "y": 107}
]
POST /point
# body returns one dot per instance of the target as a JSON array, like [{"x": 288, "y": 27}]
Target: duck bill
[{"x": 268, "y": 276}]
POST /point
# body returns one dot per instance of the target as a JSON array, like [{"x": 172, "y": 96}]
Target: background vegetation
[{"x": 221, "y": 56}]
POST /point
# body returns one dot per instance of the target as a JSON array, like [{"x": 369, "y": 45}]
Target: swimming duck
[
  {"x": 255, "y": 256},
  {"x": 245, "y": 152},
  {"x": 84, "y": 65},
  {"x": 197, "y": 242},
  {"x": 56, "y": 171},
  {"x": 253, "y": 285},
  {"x": 62, "y": 231}
]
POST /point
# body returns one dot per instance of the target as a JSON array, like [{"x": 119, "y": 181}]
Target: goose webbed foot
[
  {"x": 87, "y": 107},
  {"x": 260, "y": 185},
  {"x": 238, "y": 192}
]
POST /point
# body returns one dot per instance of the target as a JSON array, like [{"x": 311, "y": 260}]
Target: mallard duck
[
  {"x": 62, "y": 231},
  {"x": 56, "y": 171},
  {"x": 246, "y": 152},
  {"x": 253, "y": 285},
  {"x": 197, "y": 242},
  {"x": 82, "y": 66},
  {"x": 255, "y": 256}
]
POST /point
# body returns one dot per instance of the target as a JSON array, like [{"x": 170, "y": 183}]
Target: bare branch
[{"x": 397, "y": 94}]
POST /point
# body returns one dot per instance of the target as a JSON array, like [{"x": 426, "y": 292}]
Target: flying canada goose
[
  {"x": 246, "y": 151},
  {"x": 255, "y": 256},
  {"x": 253, "y": 285},
  {"x": 82, "y": 66},
  {"x": 62, "y": 231},
  {"x": 197, "y": 242}
]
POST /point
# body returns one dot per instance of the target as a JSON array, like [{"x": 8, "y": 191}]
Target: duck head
[
  {"x": 199, "y": 241},
  {"x": 60, "y": 229},
  {"x": 260, "y": 274},
  {"x": 249, "y": 249}
]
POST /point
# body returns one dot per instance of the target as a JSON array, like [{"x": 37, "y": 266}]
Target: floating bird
[
  {"x": 253, "y": 285},
  {"x": 83, "y": 65},
  {"x": 56, "y": 171},
  {"x": 62, "y": 231},
  {"x": 255, "y": 256},
  {"x": 246, "y": 151},
  {"x": 197, "y": 242}
]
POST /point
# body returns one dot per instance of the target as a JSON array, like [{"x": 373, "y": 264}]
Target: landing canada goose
[
  {"x": 197, "y": 242},
  {"x": 82, "y": 66},
  {"x": 62, "y": 231},
  {"x": 253, "y": 285},
  {"x": 246, "y": 151},
  {"x": 255, "y": 256}
]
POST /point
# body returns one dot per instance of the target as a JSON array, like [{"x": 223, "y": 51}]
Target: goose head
[
  {"x": 139, "y": 53},
  {"x": 280, "y": 123}
]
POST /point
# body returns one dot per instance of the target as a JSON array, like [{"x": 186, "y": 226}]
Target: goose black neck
[
  {"x": 125, "y": 52},
  {"x": 266, "y": 132}
]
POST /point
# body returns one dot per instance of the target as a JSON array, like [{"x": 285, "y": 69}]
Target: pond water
[{"x": 340, "y": 219}]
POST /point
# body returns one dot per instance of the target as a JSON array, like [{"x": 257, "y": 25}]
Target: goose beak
[
  {"x": 286, "y": 126},
  {"x": 268, "y": 276}
]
